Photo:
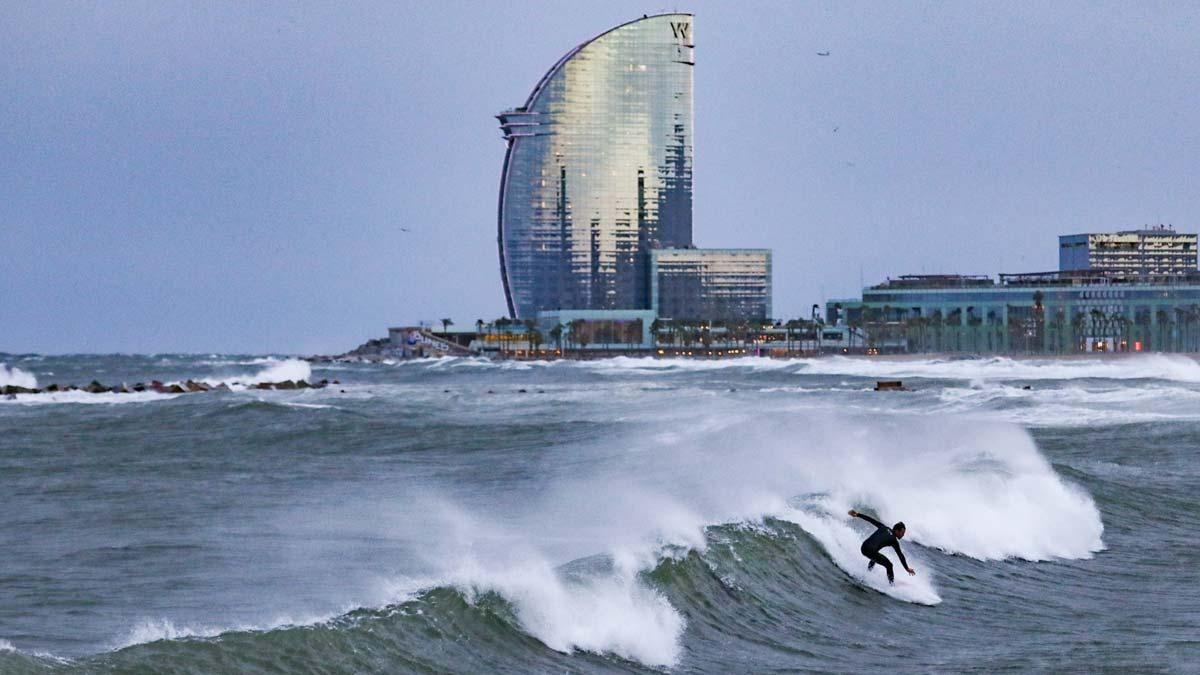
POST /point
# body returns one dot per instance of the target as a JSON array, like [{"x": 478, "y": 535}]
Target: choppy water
[{"x": 611, "y": 516}]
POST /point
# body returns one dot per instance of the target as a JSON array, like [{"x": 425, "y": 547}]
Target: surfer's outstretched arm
[
  {"x": 869, "y": 519},
  {"x": 903, "y": 562}
]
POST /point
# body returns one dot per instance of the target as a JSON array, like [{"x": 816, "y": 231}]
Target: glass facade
[
  {"x": 711, "y": 284},
  {"x": 599, "y": 170},
  {"x": 1036, "y": 313}
]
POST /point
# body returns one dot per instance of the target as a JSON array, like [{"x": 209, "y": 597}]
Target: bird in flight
[{"x": 822, "y": 53}]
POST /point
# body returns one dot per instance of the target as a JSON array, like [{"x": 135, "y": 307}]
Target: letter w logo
[{"x": 680, "y": 30}]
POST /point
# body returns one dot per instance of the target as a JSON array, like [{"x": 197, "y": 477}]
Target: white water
[
  {"x": 16, "y": 377},
  {"x": 1170, "y": 367},
  {"x": 967, "y": 487},
  {"x": 153, "y": 630},
  {"x": 275, "y": 371}
]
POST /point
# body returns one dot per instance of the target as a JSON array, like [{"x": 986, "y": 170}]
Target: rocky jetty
[{"x": 188, "y": 387}]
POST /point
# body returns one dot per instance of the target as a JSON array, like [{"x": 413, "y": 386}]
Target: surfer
[{"x": 883, "y": 536}]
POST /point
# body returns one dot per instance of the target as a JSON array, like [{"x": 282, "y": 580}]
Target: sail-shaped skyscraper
[{"x": 595, "y": 211}]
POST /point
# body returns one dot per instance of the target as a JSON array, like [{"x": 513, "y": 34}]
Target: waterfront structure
[
  {"x": 711, "y": 284},
  {"x": 598, "y": 171},
  {"x": 1043, "y": 313},
  {"x": 1146, "y": 253}
]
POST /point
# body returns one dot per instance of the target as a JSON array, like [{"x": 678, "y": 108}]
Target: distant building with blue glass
[
  {"x": 597, "y": 177},
  {"x": 1045, "y": 313}
]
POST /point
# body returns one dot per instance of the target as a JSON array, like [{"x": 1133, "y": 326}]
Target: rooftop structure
[{"x": 1154, "y": 251}]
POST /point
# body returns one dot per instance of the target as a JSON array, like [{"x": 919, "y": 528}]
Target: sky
[{"x": 275, "y": 177}]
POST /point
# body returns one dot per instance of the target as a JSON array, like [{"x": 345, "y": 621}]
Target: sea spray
[
  {"x": 275, "y": 371},
  {"x": 16, "y": 377},
  {"x": 613, "y": 613}
]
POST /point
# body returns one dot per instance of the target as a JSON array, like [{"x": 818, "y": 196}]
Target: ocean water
[{"x": 625, "y": 515}]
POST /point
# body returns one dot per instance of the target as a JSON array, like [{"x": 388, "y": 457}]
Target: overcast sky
[{"x": 294, "y": 177}]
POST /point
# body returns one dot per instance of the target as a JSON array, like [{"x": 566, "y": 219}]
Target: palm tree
[
  {"x": 446, "y": 323},
  {"x": 530, "y": 329},
  {"x": 556, "y": 334},
  {"x": 1077, "y": 330},
  {"x": 655, "y": 326},
  {"x": 791, "y": 326},
  {"x": 579, "y": 333},
  {"x": 1164, "y": 321},
  {"x": 503, "y": 323},
  {"x": 535, "y": 339}
]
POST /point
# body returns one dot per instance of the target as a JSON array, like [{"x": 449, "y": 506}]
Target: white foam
[
  {"x": 291, "y": 369},
  {"x": 155, "y": 630},
  {"x": 83, "y": 397},
  {"x": 613, "y": 613},
  {"x": 1149, "y": 366},
  {"x": 276, "y": 371},
  {"x": 16, "y": 377},
  {"x": 6, "y": 646}
]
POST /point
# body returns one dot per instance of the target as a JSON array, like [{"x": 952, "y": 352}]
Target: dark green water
[{"x": 613, "y": 516}]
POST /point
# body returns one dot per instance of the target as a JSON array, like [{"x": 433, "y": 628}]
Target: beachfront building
[
  {"x": 711, "y": 284},
  {"x": 1044, "y": 313},
  {"x": 597, "y": 182},
  {"x": 1151, "y": 252},
  {"x": 598, "y": 170}
]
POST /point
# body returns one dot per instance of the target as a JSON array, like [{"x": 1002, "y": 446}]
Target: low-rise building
[{"x": 1044, "y": 313}]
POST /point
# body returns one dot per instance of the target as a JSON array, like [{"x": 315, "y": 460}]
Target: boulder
[
  {"x": 176, "y": 389},
  {"x": 52, "y": 388},
  {"x": 264, "y": 385},
  {"x": 286, "y": 384},
  {"x": 301, "y": 384},
  {"x": 196, "y": 386},
  {"x": 96, "y": 388}
]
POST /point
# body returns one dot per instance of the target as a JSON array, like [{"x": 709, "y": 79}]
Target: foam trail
[
  {"x": 16, "y": 377},
  {"x": 842, "y": 543}
]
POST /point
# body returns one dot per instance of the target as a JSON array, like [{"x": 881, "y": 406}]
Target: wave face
[{"x": 628, "y": 515}]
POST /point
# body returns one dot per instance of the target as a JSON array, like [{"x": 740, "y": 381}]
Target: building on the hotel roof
[{"x": 1148, "y": 252}]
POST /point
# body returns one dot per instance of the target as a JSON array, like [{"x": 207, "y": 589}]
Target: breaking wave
[{"x": 16, "y": 377}]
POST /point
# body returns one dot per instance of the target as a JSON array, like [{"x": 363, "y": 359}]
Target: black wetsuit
[{"x": 882, "y": 537}]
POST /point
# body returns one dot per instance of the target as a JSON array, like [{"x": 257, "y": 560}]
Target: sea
[{"x": 624, "y": 515}]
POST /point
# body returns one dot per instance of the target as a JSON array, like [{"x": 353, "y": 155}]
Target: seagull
[
  {"x": 822, "y": 53},
  {"x": 835, "y": 130},
  {"x": 404, "y": 229}
]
